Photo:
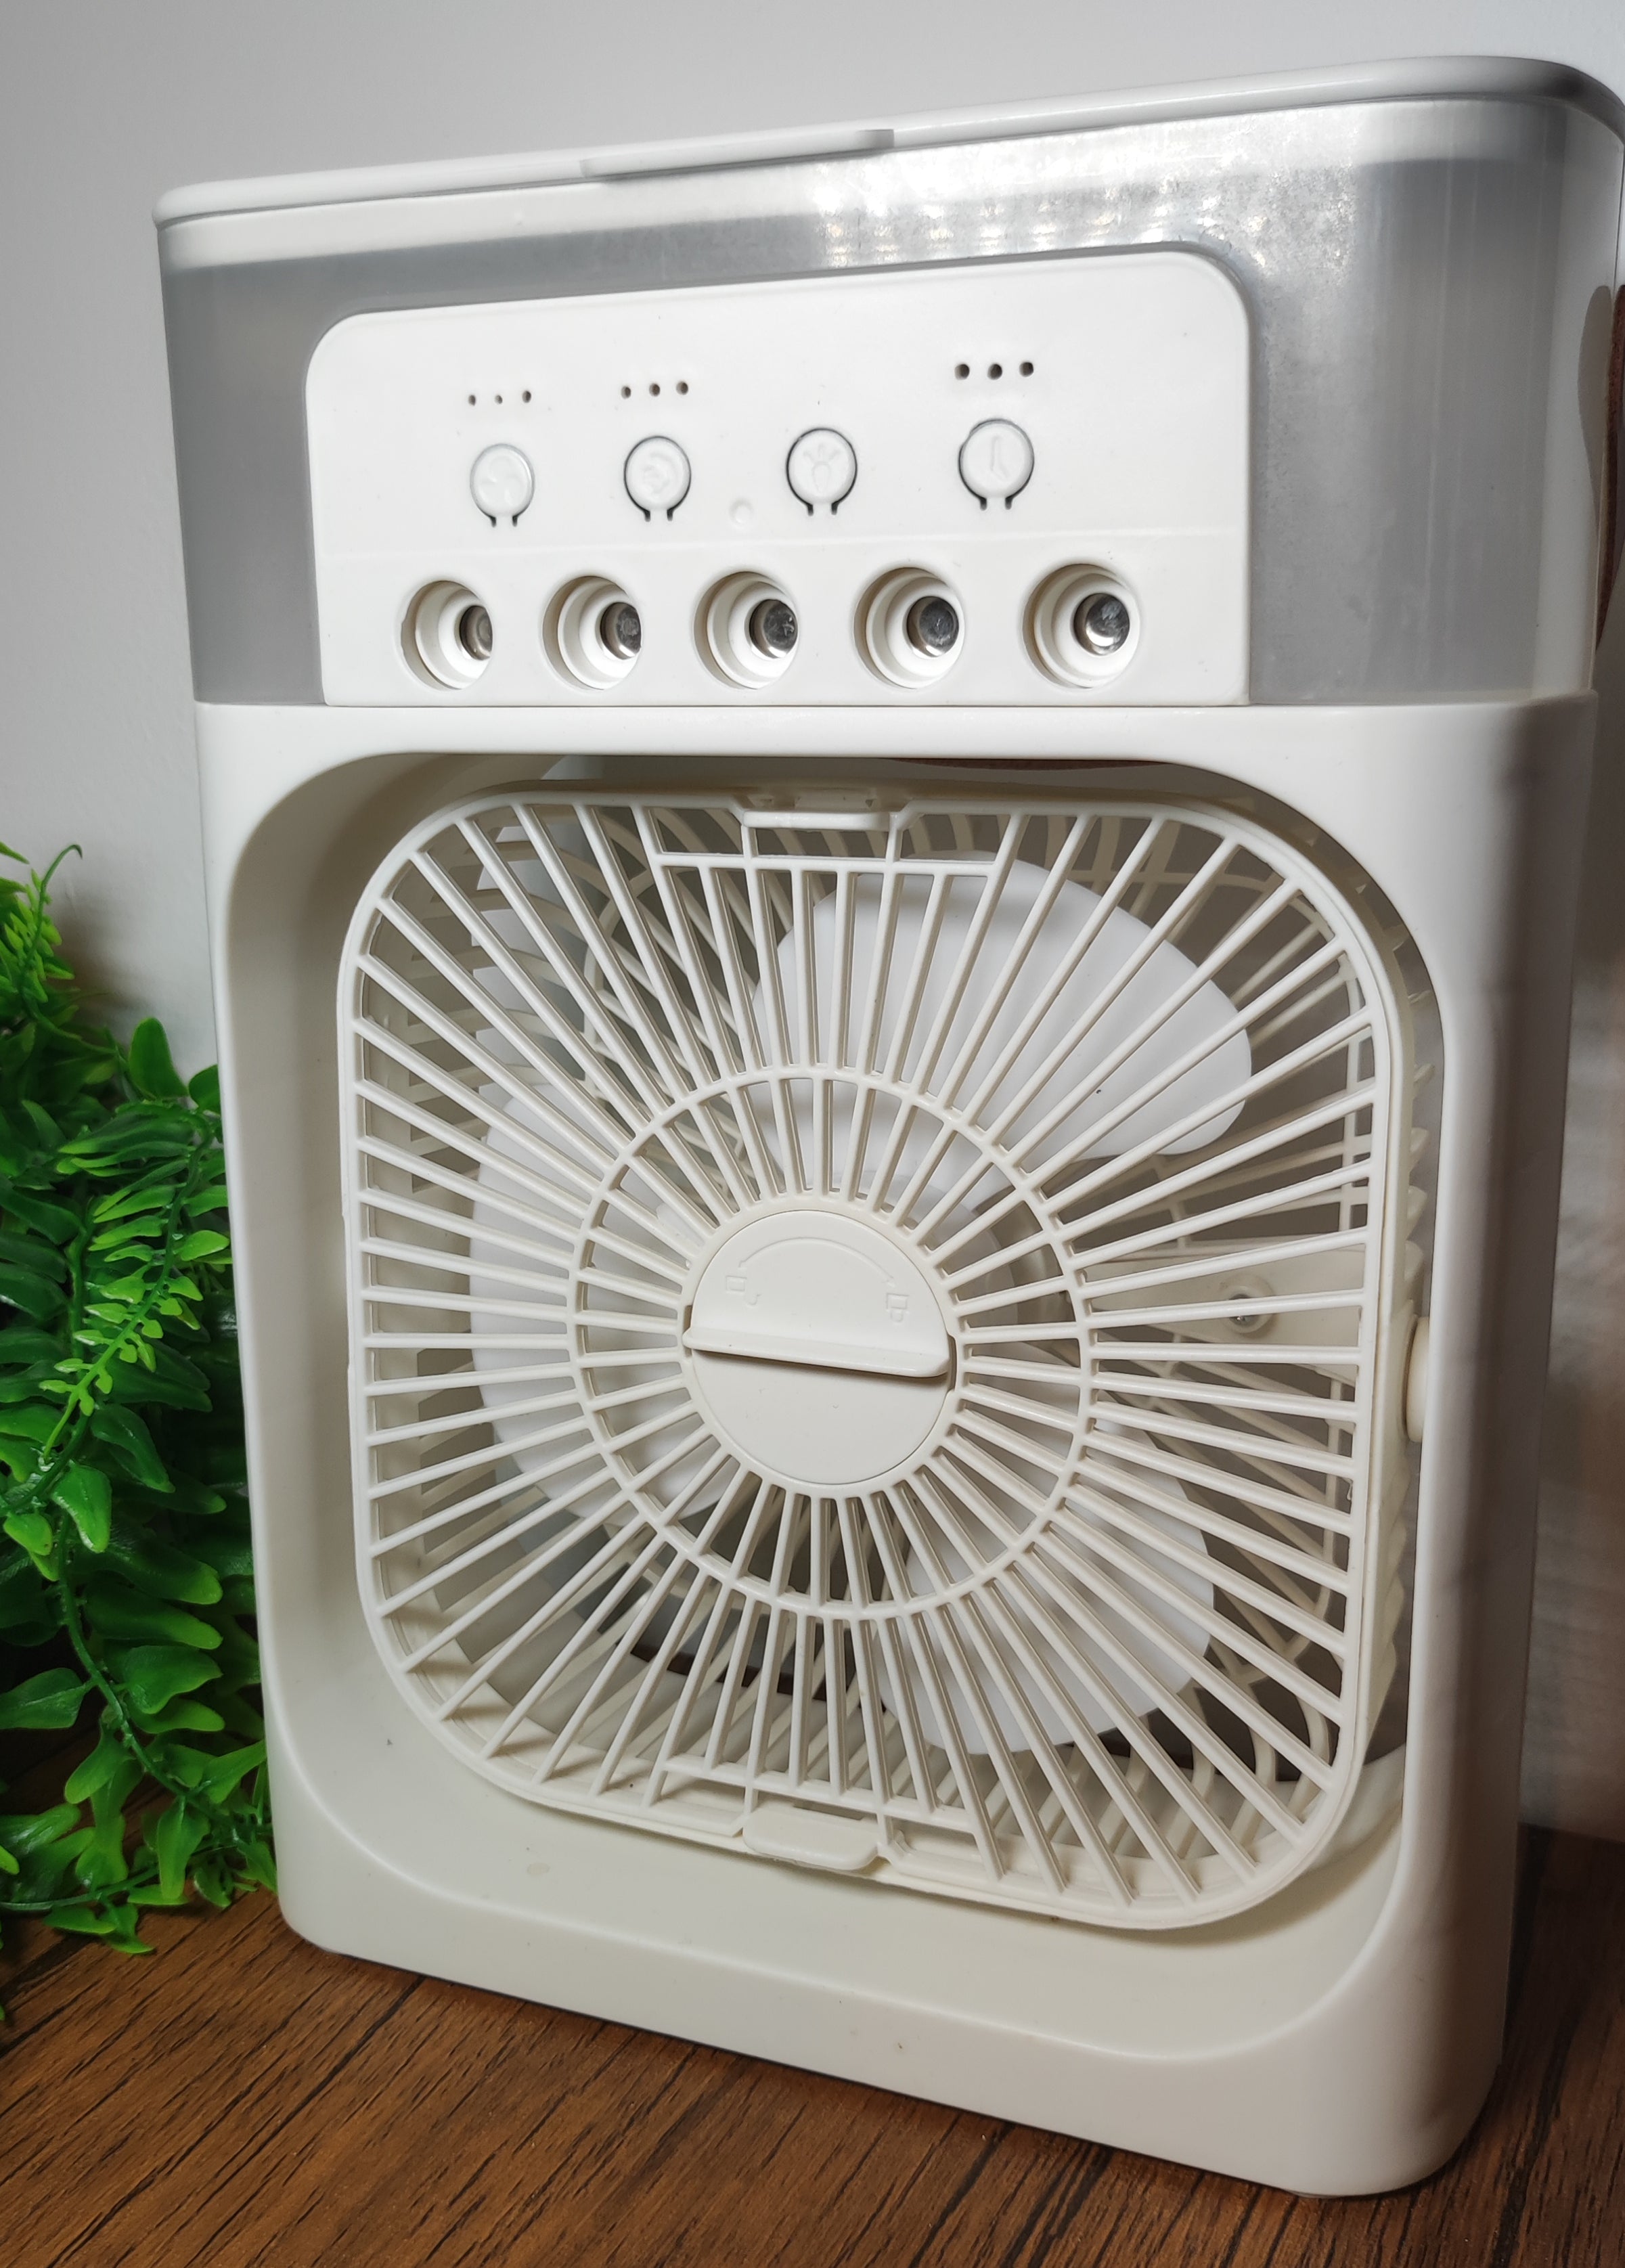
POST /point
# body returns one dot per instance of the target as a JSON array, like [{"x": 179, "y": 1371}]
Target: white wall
[{"x": 103, "y": 104}]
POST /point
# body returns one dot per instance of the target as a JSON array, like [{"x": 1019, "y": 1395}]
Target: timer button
[
  {"x": 995, "y": 460},
  {"x": 502, "y": 483}
]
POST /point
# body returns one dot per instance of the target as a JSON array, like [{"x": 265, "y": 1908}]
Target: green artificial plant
[{"x": 126, "y": 1587}]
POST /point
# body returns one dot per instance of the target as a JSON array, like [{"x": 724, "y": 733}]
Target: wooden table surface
[{"x": 244, "y": 2099}]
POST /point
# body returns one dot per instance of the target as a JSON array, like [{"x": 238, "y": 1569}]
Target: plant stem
[{"x": 140, "y": 1878}]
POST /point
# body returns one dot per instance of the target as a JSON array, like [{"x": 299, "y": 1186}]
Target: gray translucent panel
[{"x": 1428, "y": 282}]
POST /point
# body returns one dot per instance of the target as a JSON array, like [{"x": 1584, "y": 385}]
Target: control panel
[{"x": 1017, "y": 482}]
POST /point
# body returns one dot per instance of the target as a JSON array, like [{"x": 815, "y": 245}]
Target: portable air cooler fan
[{"x": 939, "y": 778}]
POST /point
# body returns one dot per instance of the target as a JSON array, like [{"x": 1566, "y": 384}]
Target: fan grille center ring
[{"x": 818, "y": 1344}]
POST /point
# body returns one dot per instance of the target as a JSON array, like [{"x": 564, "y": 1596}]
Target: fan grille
[{"x": 1081, "y": 1598}]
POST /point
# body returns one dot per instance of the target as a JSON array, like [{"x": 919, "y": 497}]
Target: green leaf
[
  {"x": 241, "y": 1716},
  {"x": 175, "y": 1838},
  {"x": 180, "y": 1716},
  {"x": 27, "y": 1833},
  {"x": 204, "y": 1087},
  {"x": 116, "y": 1924},
  {"x": 240, "y": 1656},
  {"x": 86, "y": 1496},
  {"x": 154, "y": 1675},
  {"x": 48, "y": 1702},
  {"x": 201, "y": 1244},
  {"x": 32, "y": 1531},
  {"x": 102, "y": 1862},
  {"x": 47, "y": 1131},
  {"x": 29, "y": 1421},
  {"x": 227, "y": 1463},
  {"x": 119, "y": 1612},
  {"x": 48, "y": 1867},
  {"x": 222, "y": 1775},
  {"x": 149, "y": 1064},
  {"x": 34, "y": 1295},
  {"x": 108, "y": 1800},
  {"x": 259, "y": 1866},
  {"x": 131, "y": 1204},
  {"x": 210, "y": 1880},
  {"x": 232, "y": 1557},
  {"x": 164, "y": 1571},
  {"x": 176, "y": 1760},
  {"x": 21, "y": 1347},
  {"x": 173, "y": 1382},
  {"x": 86, "y": 1921},
  {"x": 25, "y": 1600},
  {"x": 20, "y": 1459},
  {"x": 99, "y": 1769},
  {"x": 213, "y": 1199},
  {"x": 33, "y": 1252},
  {"x": 17, "y": 1578},
  {"x": 127, "y": 1435},
  {"x": 32, "y": 1635},
  {"x": 52, "y": 1220},
  {"x": 126, "y": 1933},
  {"x": 18, "y": 1386},
  {"x": 8, "y": 1863},
  {"x": 191, "y": 1499}
]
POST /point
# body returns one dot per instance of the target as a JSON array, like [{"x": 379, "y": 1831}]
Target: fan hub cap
[{"x": 818, "y": 1348}]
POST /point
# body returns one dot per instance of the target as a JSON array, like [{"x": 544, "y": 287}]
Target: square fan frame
[{"x": 1363, "y": 1782}]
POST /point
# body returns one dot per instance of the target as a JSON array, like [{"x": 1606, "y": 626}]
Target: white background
[{"x": 104, "y": 105}]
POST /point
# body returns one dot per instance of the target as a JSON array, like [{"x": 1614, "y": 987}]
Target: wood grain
[{"x": 243, "y": 2099}]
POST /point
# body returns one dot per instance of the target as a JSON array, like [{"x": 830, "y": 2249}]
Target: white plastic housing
[
  {"x": 1340, "y": 2037},
  {"x": 1310, "y": 378}
]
